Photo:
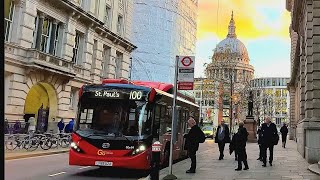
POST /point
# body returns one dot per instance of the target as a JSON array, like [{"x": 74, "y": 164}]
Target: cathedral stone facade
[{"x": 231, "y": 69}]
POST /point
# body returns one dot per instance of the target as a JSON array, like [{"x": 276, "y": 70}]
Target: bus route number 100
[{"x": 135, "y": 95}]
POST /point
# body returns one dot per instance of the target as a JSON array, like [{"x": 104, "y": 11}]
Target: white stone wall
[{"x": 20, "y": 79}]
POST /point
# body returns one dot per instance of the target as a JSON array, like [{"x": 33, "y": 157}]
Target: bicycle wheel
[
  {"x": 11, "y": 144},
  {"x": 54, "y": 142},
  {"x": 31, "y": 144},
  {"x": 45, "y": 143},
  {"x": 64, "y": 143}
]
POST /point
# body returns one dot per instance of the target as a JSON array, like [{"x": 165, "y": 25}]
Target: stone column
[
  {"x": 53, "y": 36},
  {"x": 292, "y": 92},
  {"x": 39, "y": 31}
]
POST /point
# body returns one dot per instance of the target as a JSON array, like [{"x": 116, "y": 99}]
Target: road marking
[
  {"x": 85, "y": 167},
  {"x": 51, "y": 175}
]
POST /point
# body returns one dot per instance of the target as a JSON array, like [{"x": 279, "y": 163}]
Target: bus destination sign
[
  {"x": 111, "y": 94},
  {"x": 107, "y": 94}
]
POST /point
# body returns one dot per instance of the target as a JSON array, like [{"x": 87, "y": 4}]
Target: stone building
[
  {"x": 53, "y": 47},
  {"x": 205, "y": 95},
  {"x": 162, "y": 30},
  {"x": 270, "y": 98},
  {"x": 231, "y": 68},
  {"x": 304, "y": 85}
]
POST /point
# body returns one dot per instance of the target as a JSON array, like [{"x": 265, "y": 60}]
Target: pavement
[{"x": 288, "y": 164}]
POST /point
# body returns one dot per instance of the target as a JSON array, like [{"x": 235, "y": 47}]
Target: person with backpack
[
  {"x": 238, "y": 145},
  {"x": 193, "y": 138}
]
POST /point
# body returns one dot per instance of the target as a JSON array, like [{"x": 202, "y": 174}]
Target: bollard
[{"x": 155, "y": 163}]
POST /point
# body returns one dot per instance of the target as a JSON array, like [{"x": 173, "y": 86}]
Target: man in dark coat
[
  {"x": 238, "y": 144},
  {"x": 222, "y": 137},
  {"x": 259, "y": 132},
  {"x": 269, "y": 132},
  {"x": 284, "y": 133},
  {"x": 192, "y": 143}
]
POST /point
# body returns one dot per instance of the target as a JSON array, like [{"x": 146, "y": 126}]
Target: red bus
[{"x": 118, "y": 121}]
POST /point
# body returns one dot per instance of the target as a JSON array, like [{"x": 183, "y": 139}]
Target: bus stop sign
[{"x": 186, "y": 72}]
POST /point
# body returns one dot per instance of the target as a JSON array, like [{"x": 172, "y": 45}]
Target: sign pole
[{"x": 170, "y": 176}]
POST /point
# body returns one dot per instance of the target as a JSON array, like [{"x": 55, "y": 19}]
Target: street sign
[{"x": 186, "y": 72}]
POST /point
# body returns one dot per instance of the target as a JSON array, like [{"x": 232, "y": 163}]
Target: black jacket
[
  {"x": 259, "y": 132},
  {"x": 239, "y": 140},
  {"x": 284, "y": 130},
  {"x": 268, "y": 133},
  {"x": 193, "y": 138},
  {"x": 226, "y": 135}
]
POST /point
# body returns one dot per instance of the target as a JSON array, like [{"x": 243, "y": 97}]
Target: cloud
[{"x": 253, "y": 18}]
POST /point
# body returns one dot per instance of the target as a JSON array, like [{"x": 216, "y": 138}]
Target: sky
[{"x": 262, "y": 25}]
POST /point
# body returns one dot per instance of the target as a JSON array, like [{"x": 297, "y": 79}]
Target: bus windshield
[{"x": 115, "y": 117}]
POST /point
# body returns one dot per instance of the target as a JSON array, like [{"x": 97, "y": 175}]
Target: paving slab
[{"x": 288, "y": 165}]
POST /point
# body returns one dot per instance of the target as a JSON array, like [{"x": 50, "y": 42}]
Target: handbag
[{"x": 276, "y": 139}]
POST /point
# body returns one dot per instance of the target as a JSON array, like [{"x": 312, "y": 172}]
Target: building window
[
  {"x": 46, "y": 28},
  {"x": 78, "y": 2},
  {"x": 56, "y": 41},
  {"x": 48, "y": 32},
  {"x": 120, "y": 24},
  {"x": 107, "y": 16},
  {"x": 8, "y": 17},
  {"x": 77, "y": 48},
  {"x": 73, "y": 98},
  {"x": 96, "y": 8},
  {"x": 105, "y": 65},
  {"x": 118, "y": 69}
]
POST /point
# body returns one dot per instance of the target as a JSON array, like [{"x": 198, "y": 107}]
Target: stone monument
[{"x": 250, "y": 124}]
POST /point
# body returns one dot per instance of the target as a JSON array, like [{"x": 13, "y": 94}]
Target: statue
[{"x": 250, "y": 105}]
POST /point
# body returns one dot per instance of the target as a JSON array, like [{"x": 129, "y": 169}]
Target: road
[{"x": 57, "y": 167}]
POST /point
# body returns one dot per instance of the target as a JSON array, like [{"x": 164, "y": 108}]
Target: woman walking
[{"x": 284, "y": 133}]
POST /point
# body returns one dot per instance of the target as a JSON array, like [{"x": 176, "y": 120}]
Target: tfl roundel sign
[{"x": 186, "y": 62}]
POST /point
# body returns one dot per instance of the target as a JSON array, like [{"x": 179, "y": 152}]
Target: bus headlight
[
  {"x": 75, "y": 146},
  {"x": 139, "y": 150}
]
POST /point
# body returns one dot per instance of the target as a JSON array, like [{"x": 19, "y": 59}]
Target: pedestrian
[
  {"x": 222, "y": 137},
  {"x": 269, "y": 139},
  {"x": 61, "y": 125},
  {"x": 69, "y": 126},
  {"x": 193, "y": 138},
  {"x": 17, "y": 127},
  {"x": 259, "y": 132},
  {"x": 238, "y": 144},
  {"x": 284, "y": 133},
  {"x": 32, "y": 125}
]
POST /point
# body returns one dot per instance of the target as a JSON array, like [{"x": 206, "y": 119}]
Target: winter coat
[
  {"x": 193, "y": 138},
  {"x": 284, "y": 130},
  {"x": 269, "y": 134},
  {"x": 226, "y": 138}
]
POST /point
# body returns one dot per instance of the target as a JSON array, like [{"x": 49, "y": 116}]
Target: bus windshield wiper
[{"x": 121, "y": 135}]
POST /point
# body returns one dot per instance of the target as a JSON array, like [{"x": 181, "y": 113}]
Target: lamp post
[{"x": 201, "y": 101}]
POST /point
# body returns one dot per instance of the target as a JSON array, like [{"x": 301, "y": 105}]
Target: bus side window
[
  {"x": 186, "y": 117},
  {"x": 156, "y": 123},
  {"x": 163, "y": 116}
]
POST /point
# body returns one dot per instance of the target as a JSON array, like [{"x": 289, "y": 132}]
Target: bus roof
[
  {"x": 178, "y": 98},
  {"x": 157, "y": 85}
]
